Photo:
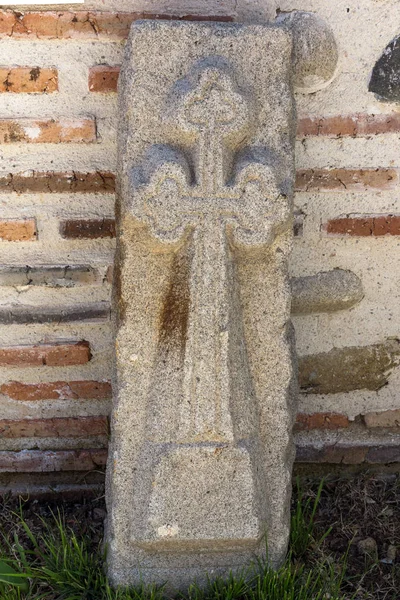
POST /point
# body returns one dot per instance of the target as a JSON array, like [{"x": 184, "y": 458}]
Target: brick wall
[{"x": 58, "y": 79}]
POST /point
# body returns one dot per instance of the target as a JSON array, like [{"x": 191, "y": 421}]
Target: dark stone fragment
[
  {"x": 48, "y": 275},
  {"x": 88, "y": 228},
  {"x": 385, "y": 79},
  {"x": 30, "y": 314}
]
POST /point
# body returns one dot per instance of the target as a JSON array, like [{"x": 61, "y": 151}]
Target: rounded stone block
[
  {"x": 327, "y": 291},
  {"x": 315, "y": 53}
]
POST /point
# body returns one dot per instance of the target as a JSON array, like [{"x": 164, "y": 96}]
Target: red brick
[
  {"x": 96, "y": 25},
  {"x": 72, "y": 25},
  {"x": 47, "y": 131},
  {"x": 320, "y": 421},
  {"x": 363, "y": 226},
  {"x": 103, "y": 78},
  {"x": 52, "y": 355},
  {"x": 29, "y": 80},
  {"x": 383, "y": 454},
  {"x": 57, "y": 390},
  {"x": 357, "y": 125},
  {"x": 332, "y": 454},
  {"x": 319, "y": 180},
  {"x": 7, "y": 23},
  {"x": 340, "y": 126},
  {"x": 387, "y": 418},
  {"x": 91, "y": 390},
  {"x": 66, "y": 427},
  {"x": 18, "y": 230},
  {"x": 45, "y": 461},
  {"x": 87, "y": 228},
  {"x": 36, "y": 182},
  {"x": 378, "y": 124}
]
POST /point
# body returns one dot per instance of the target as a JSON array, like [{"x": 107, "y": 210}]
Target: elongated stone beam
[{"x": 349, "y": 368}]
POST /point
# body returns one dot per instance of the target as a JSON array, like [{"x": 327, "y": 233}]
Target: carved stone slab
[{"x": 201, "y": 455}]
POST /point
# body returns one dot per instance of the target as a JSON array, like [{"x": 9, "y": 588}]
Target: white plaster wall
[{"x": 362, "y": 28}]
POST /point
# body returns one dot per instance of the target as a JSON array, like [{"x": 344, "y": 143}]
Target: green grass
[
  {"x": 57, "y": 565},
  {"x": 302, "y": 522}
]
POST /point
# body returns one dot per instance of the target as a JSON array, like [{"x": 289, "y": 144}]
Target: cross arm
[
  {"x": 265, "y": 211},
  {"x": 158, "y": 185}
]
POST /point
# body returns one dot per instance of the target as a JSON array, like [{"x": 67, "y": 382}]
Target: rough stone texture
[
  {"x": 385, "y": 78},
  {"x": 315, "y": 53},
  {"x": 325, "y": 292},
  {"x": 362, "y": 29},
  {"x": 346, "y": 369},
  {"x": 201, "y": 457},
  {"x": 81, "y": 24}
]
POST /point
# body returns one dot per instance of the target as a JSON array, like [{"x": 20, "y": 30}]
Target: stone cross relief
[
  {"x": 199, "y": 468},
  {"x": 215, "y": 196}
]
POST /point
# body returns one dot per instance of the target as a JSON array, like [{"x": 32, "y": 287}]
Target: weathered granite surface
[
  {"x": 315, "y": 53},
  {"x": 326, "y": 291},
  {"x": 200, "y": 463}
]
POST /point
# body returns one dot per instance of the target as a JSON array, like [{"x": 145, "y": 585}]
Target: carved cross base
[{"x": 200, "y": 462}]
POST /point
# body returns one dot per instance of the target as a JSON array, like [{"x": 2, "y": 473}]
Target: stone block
[
  {"x": 200, "y": 463},
  {"x": 326, "y": 291}
]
